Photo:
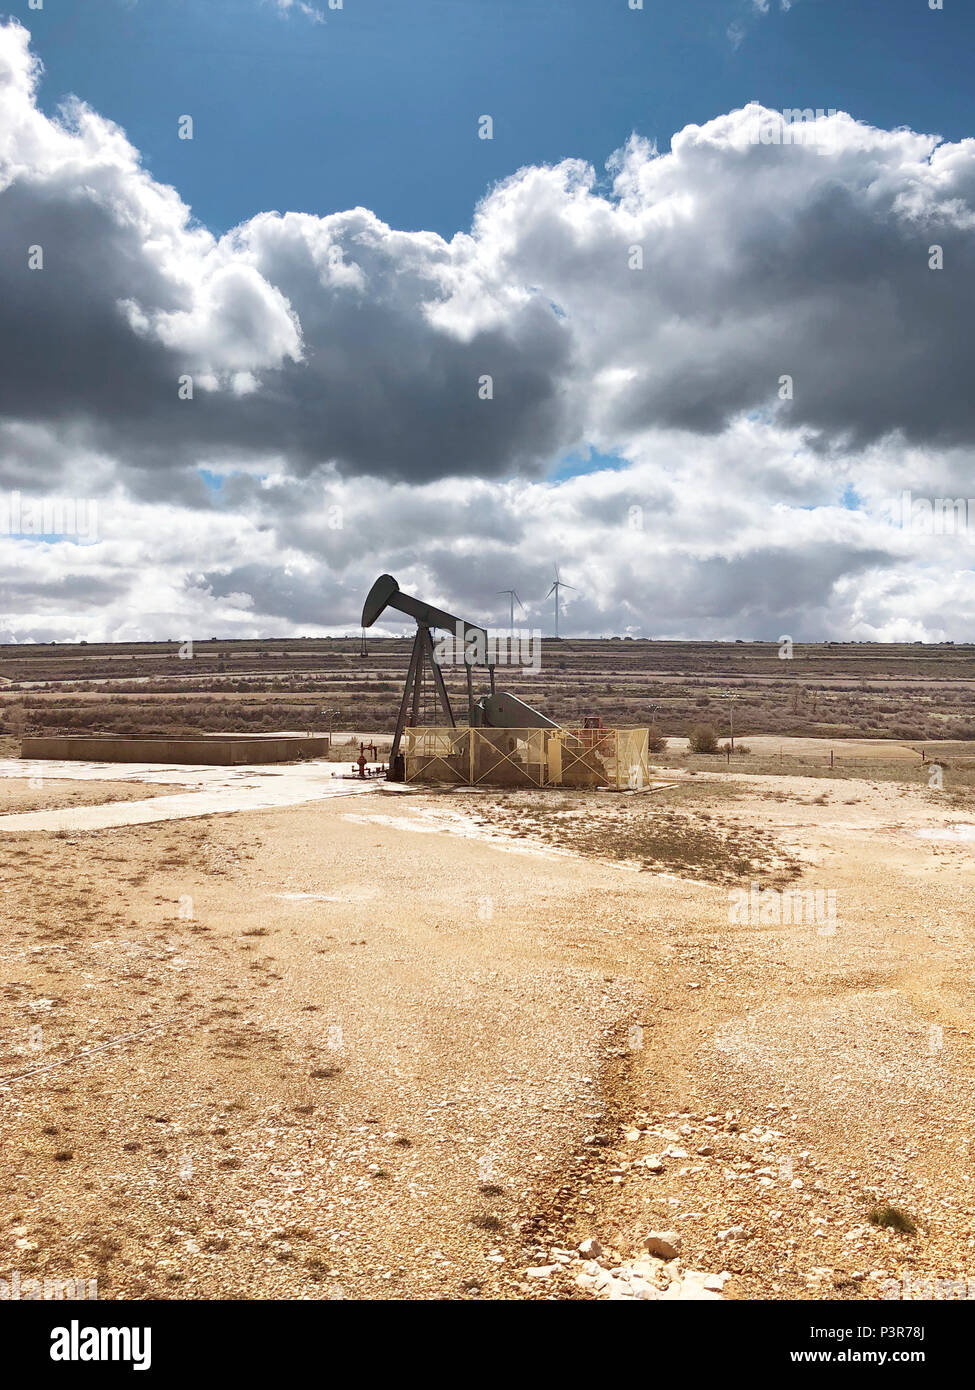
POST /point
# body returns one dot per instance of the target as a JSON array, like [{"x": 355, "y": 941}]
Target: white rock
[
  {"x": 648, "y": 1293},
  {"x": 692, "y": 1287},
  {"x": 733, "y": 1233},
  {"x": 619, "y": 1290},
  {"x": 591, "y": 1248}
]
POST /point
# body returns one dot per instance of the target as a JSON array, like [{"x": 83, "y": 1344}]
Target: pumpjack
[{"x": 497, "y": 710}]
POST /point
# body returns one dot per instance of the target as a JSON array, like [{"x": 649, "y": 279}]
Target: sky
[{"x": 275, "y": 316}]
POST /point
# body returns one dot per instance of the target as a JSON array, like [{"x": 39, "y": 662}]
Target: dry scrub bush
[{"x": 703, "y": 739}]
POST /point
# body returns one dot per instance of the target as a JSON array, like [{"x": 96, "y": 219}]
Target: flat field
[{"x": 836, "y": 691}]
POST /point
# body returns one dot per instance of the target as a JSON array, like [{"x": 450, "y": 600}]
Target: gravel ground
[
  {"x": 377, "y": 1049},
  {"x": 356, "y": 1063}
]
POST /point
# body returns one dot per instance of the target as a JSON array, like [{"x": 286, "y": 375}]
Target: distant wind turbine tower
[
  {"x": 558, "y": 585},
  {"x": 513, "y": 596}
]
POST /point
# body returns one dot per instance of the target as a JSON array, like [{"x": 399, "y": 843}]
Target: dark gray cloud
[
  {"x": 337, "y": 341},
  {"x": 308, "y": 339},
  {"x": 759, "y": 261}
]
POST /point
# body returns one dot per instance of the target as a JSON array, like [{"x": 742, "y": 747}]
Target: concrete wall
[{"x": 221, "y": 750}]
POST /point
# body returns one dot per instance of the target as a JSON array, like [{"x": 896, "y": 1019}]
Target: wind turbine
[
  {"x": 513, "y": 597},
  {"x": 557, "y": 585}
]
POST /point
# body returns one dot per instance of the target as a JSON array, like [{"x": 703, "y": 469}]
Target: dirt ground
[{"x": 424, "y": 1045}]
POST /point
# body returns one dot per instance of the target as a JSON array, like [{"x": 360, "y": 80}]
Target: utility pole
[
  {"x": 732, "y": 697},
  {"x": 330, "y": 715}
]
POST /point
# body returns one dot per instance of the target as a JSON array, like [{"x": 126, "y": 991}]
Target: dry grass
[
  {"x": 644, "y": 830},
  {"x": 893, "y": 1219}
]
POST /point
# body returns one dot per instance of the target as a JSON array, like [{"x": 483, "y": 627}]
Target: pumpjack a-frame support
[{"x": 422, "y": 656}]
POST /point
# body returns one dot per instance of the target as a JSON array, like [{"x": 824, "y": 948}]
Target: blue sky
[{"x": 377, "y": 105}]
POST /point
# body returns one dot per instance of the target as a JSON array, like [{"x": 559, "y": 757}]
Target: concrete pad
[{"x": 210, "y": 791}]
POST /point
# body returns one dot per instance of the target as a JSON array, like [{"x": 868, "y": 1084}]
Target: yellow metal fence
[{"x": 614, "y": 758}]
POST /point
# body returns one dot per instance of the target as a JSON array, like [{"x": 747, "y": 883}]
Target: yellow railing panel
[{"x": 616, "y": 758}]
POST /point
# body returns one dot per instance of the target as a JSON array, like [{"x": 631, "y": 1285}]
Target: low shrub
[{"x": 703, "y": 739}]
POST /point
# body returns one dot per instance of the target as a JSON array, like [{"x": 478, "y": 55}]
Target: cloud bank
[{"x": 751, "y": 329}]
